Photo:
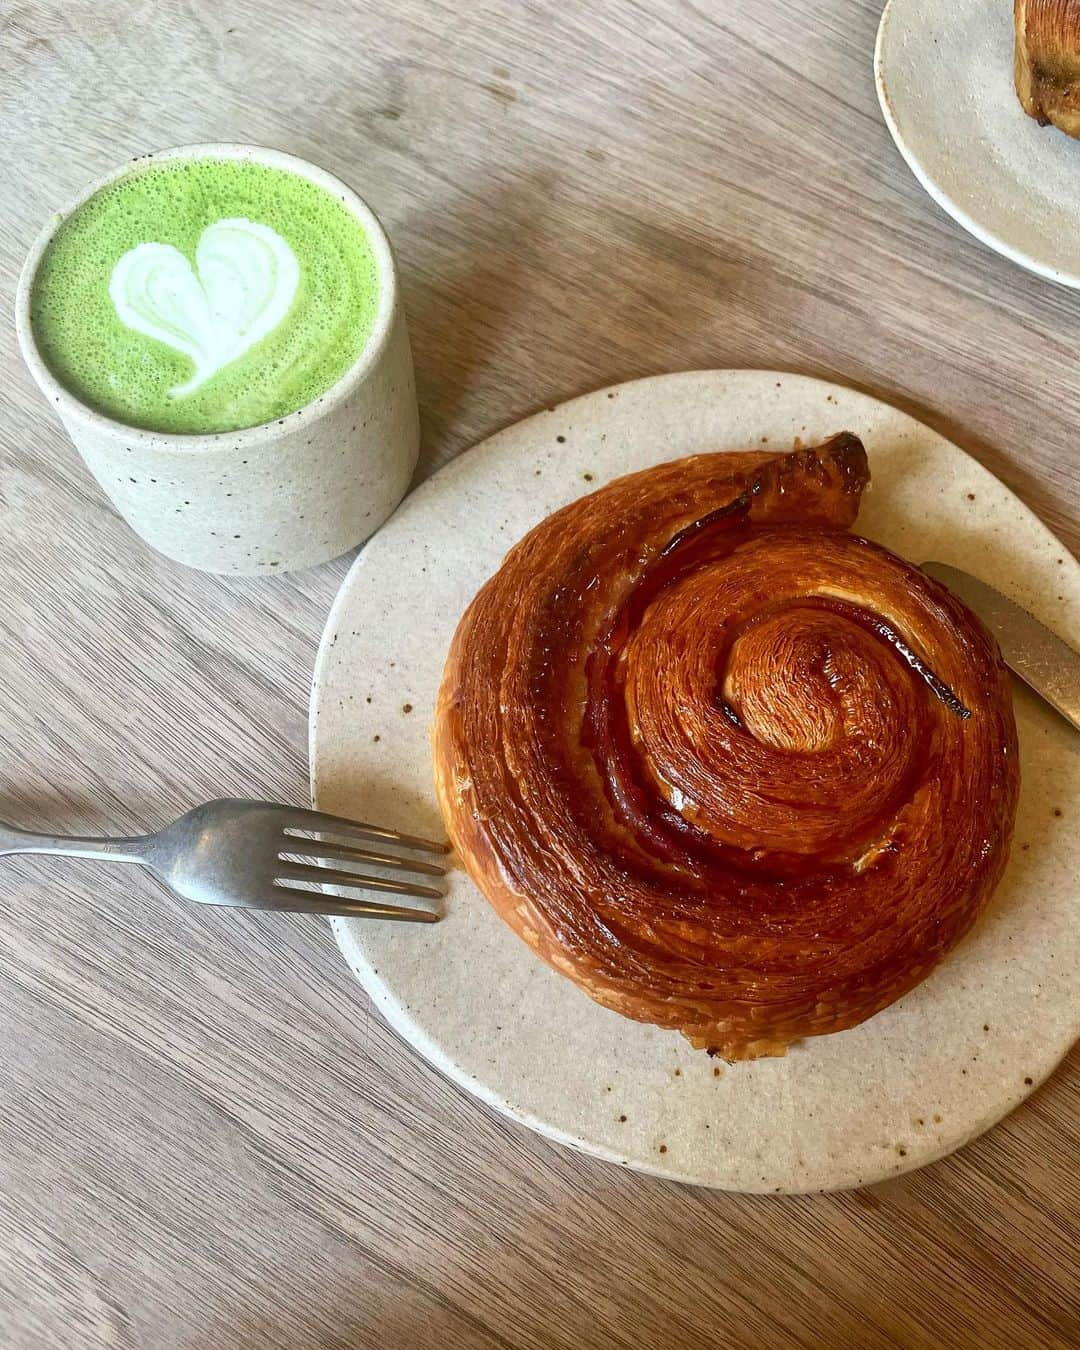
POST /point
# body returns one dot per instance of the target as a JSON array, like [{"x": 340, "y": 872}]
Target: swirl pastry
[{"x": 731, "y": 769}]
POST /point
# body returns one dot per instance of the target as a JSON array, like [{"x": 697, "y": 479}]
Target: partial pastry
[
  {"x": 728, "y": 767},
  {"x": 1047, "y": 61}
]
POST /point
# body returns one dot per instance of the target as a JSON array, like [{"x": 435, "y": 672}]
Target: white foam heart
[{"x": 240, "y": 289}]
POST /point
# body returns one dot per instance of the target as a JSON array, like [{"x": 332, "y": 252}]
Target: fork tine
[
  {"x": 298, "y": 819},
  {"x": 316, "y": 848},
  {"x": 292, "y": 901},
  {"x": 329, "y": 877}
]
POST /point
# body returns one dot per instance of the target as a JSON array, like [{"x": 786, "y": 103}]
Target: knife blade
[{"x": 1040, "y": 658}]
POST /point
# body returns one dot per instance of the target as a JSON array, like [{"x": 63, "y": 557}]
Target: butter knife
[{"x": 1040, "y": 658}]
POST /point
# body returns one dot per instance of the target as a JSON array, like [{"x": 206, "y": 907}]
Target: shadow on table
[
  {"x": 472, "y": 269},
  {"x": 596, "y": 1256}
]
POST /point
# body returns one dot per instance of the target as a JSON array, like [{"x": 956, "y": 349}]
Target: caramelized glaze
[{"x": 732, "y": 769}]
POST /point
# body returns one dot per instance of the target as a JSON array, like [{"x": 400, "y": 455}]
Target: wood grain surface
[{"x": 207, "y": 1137}]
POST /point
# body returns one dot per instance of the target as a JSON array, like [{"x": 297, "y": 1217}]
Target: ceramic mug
[{"x": 272, "y": 498}]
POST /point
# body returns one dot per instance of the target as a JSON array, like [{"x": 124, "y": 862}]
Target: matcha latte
[{"x": 203, "y": 295}]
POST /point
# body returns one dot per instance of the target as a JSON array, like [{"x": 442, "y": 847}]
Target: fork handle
[{"x": 14, "y": 840}]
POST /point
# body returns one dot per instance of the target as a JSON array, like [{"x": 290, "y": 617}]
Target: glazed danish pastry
[{"x": 730, "y": 768}]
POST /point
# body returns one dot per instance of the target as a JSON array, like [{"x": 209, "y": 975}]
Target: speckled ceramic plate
[
  {"x": 911, "y": 1084},
  {"x": 945, "y": 82}
]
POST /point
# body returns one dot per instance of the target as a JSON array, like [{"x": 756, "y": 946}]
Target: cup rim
[{"x": 59, "y": 396}]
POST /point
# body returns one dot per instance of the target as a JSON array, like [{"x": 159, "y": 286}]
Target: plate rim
[{"x": 985, "y": 236}]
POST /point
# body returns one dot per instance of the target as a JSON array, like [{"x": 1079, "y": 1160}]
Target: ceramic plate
[
  {"x": 907, "y": 1086},
  {"x": 945, "y": 82}
]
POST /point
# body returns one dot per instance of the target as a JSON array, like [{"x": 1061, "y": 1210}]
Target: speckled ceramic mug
[{"x": 270, "y": 498}]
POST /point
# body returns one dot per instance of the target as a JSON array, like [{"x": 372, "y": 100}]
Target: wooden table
[{"x": 207, "y": 1137}]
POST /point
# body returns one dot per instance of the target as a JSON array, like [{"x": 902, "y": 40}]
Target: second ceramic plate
[
  {"x": 905, "y": 1087},
  {"x": 945, "y": 82}
]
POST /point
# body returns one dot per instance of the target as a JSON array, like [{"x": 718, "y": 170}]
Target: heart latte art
[
  {"x": 199, "y": 296},
  {"x": 240, "y": 289}
]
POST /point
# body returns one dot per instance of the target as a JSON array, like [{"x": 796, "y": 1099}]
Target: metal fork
[{"x": 259, "y": 855}]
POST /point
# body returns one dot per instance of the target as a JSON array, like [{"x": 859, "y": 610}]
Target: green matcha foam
[{"x": 205, "y": 295}]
